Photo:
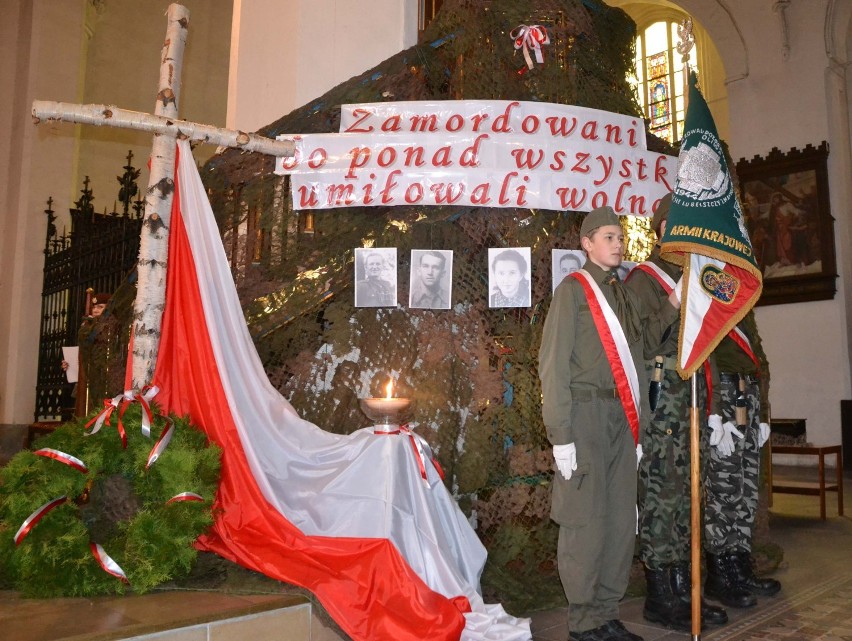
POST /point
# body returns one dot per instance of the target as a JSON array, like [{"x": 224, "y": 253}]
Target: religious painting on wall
[
  {"x": 509, "y": 277},
  {"x": 375, "y": 277},
  {"x": 431, "y": 279},
  {"x": 786, "y": 207}
]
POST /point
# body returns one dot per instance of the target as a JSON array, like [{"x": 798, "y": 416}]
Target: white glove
[
  {"x": 638, "y": 454},
  {"x": 715, "y": 423},
  {"x": 566, "y": 459},
  {"x": 726, "y": 443},
  {"x": 678, "y": 290},
  {"x": 763, "y": 436}
]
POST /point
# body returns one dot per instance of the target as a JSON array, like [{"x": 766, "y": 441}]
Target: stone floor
[
  {"x": 816, "y": 573},
  {"x": 814, "y": 603}
]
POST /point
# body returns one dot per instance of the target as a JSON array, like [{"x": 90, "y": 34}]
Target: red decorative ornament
[
  {"x": 419, "y": 447},
  {"x": 185, "y": 496},
  {"x": 162, "y": 444},
  {"x": 31, "y": 521},
  {"x": 106, "y": 562},
  {"x": 62, "y": 457},
  {"x": 529, "y": 38},
  {"x": 105, "y": 416},
  {"x": 121, "y": 403},
  {"x": 144, "y": 399}
]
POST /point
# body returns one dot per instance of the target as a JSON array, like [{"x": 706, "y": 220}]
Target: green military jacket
[
  {"x": 572, "y": 355},
  {"x": 654, "y": 298},
  {"x": 728, "y": 357}
]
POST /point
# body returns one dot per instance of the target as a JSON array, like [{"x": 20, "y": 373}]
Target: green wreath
[{"x": 144, "y": 514}]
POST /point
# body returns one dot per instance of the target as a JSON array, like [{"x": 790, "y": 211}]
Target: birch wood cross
[{"x": 153, "y": 245}]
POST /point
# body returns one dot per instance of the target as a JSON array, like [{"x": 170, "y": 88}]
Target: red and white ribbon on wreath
[
  {"x": 420, "y": 447},
  {"x": 185, "y": 496},
  {"x": 105, "y": 416},
  {"x": 107, "y": 564},
  {"x": 162, "y": 444},
  {"x": 62, "y": 457},
  {"x": 31, "y": 521},
  {"x": 144, "y": 399},
  {"x": 530, "y": 37},
  {"x": 122, "y": 402}
]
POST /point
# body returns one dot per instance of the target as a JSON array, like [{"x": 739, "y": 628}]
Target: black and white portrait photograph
[
  {"x": 509, "y": 277},
  {"x": 375, "y": 277},
  {"x": 431, "y": 279},
  {"x": 564, "y": 262}
]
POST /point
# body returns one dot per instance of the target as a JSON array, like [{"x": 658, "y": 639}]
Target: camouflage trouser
[
  {"x": 664, "y": 473},
  {"x": 731, "y": 486}
]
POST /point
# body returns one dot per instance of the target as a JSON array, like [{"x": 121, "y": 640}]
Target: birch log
[
  {"x": 126, "y": 119},
  {"x": 154, "y": 240}
]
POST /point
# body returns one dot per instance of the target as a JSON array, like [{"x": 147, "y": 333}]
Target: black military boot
[
  {"x": 682, "y": 587},
  {"x": 747, "y": 578},
  {"x": 617, "y": 632},
  {"x": 722, "y": 583},
  {"x": 661, "y": 604}
]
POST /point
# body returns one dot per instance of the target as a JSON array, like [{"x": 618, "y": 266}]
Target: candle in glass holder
[{"x": 388, "y": 410}]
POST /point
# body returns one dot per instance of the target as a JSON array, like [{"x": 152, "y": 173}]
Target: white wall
[
  {"x": 125, "y": 71},
  {"x": 75, "y": 51},
  {"x": 40, "y": 53},
  {"x": 807, "y": 344},
  {"x": 285, "y": 54}
]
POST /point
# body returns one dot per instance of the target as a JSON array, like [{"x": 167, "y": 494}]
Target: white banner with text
[{"x": 480, "y": 153}]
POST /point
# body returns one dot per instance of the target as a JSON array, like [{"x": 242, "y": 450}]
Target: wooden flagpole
[
  {"x": 695, "y": 508},
  {"x": 684, "y": 46}
]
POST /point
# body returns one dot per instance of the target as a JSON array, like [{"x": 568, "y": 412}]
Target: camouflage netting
[{"x": 472, "y": 370}]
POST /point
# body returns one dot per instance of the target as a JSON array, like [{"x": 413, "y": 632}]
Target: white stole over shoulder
[
  {"x": 616, "y": 347},
  {"x": 656, "y": 272}
]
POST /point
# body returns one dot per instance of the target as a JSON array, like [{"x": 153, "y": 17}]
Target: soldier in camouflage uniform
[
  {"x": 664, "y": 472},
  {"x": 733, "y": 478}
]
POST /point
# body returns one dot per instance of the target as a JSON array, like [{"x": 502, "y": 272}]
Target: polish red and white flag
[{"x": 349, "y": 517}]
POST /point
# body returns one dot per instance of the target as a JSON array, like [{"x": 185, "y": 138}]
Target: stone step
[{"x": 166, "y": 616}]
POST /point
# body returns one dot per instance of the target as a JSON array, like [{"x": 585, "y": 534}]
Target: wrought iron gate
[{"x": 98, "y": 253}]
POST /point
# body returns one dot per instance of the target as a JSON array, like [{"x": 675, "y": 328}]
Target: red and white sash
[
  {"x": 668, "y": 285},
  {"x": 616, "y": 348},
  {"x": 655, "y": 271},
  {"x": 738, "y": 336}
]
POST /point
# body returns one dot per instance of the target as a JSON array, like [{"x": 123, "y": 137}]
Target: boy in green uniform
[{"x": 593, "y": 398}]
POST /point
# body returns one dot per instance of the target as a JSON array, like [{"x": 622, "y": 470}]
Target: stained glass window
[{"x": 659, "y": 79}]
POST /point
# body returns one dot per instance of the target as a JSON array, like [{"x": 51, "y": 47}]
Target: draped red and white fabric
[{"x": 389, "y": 555}]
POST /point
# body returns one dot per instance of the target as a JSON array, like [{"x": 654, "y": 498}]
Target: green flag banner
[{"x": 706, "y": 233}]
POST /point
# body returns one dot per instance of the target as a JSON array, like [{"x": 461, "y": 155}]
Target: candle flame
[{"x": 389, "y": 389}]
